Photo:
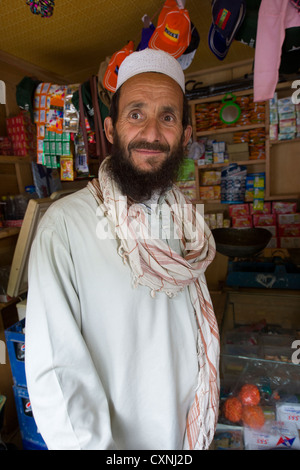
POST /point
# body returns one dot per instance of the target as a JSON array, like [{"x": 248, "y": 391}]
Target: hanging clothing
[
  {"x": 108, "y": 365},
  {"x": 274, "y": 17}
]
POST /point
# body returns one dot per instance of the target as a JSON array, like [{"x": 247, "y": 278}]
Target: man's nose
[{"x": 151, "y": 130}]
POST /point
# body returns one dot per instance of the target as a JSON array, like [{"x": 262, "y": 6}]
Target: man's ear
[
  {"x": 187, "y": 134},
  {"x": 109, "y": 129}
]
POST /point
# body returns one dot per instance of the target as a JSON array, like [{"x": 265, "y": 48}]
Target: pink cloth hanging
[{"x": 274, "y": 17}]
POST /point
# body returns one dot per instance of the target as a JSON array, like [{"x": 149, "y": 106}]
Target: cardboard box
[
  {"x": 238, "y": 152},
  {"x": 238, "y": 210},
  {"x": 283, "y": 219},
  {"x": 242, "y": 221},
  {"x": 260, "y": 220},
  {"x": 289, "y": 230},
  {"x": 266, "y": 209},
  {"x": 281, "y": 207},
  {"x": 289, "y": 242}
]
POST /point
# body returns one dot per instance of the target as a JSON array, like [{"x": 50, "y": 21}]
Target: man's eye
[
  {"x": 135, "y": 115},
  {"x": 168, "y": 118}
]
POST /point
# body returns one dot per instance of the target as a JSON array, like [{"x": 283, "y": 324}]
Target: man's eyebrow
[
  {"x": 135, "y": 104},
  {"x": 170, "y": 109},
  {"x": 141, "y": 104}
]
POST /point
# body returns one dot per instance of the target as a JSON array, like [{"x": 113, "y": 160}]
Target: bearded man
[{"x": 122, "y": 344}]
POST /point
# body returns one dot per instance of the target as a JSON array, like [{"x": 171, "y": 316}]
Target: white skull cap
[{"x": 150, "y": 60}]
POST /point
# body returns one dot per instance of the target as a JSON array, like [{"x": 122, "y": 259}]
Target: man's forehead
[
  {"x": 151, "y": 86},
  {"x": 154, "y": 79}
]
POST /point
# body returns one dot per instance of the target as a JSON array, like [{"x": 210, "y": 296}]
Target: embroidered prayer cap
[
  {"x": 111, "y": 74},
  {"x": 173, "y": 30},
  {"x": 227, "y": 16},
  {"x": 150, "y": 60}
]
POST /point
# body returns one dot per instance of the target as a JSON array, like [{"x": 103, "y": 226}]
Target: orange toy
[
  {"x": 249, "y": 395},
  {"x": 233, "y": 409},
  {"x": 253, "y": 416}
]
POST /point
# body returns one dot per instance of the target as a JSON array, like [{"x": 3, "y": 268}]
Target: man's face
[{"x": 149, "y": 130}]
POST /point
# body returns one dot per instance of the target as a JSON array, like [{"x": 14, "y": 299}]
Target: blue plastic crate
[
  {"x": 28, "y": 428},
  {"x": 15, "y": 342},
  {"x": 29, "y": 445}
]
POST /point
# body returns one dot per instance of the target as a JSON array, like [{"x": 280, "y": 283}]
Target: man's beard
[{"x": 140, "y": 185}]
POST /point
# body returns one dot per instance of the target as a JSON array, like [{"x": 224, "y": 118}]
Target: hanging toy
[{"x": 42, "y": 7}]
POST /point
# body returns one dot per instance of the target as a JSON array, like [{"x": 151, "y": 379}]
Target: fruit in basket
[
  {"x": 233, "y": 409},
  {"x": 249, "y": 394},
  {"x": 253, "y": 416}
]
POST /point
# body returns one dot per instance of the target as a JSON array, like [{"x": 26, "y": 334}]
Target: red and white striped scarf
[{"x": 156, "y": 265}]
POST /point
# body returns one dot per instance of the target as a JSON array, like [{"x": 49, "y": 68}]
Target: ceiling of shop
[{"x": 80, "y": 34}]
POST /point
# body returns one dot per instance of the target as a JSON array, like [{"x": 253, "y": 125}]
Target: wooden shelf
[
  {"x": 223, "y": 165},
  {"x": 282, "y": 197},
  {"x": 277, "y": 142},
  {"x": 14, "y": 159},
  {"x": 227, "y": 130},
  {"x": 9, "y": 232}
]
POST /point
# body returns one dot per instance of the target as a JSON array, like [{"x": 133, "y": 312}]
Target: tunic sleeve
[{"x": 68, "y": 400}]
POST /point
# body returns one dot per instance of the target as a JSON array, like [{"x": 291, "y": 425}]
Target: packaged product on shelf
[
  {"x": 257, "y": 112},
  {"x": 217, "y": 191},
  {"x": 286, "y": 136},
  {"x": 202, "y": 117},
  {"x": 6, "y": 147},
  {"x": 281, "y": 435},
  {"x": 266, "y": 209},
  {"x": 285, "y": 105},
  {"x": 215, "y": 220},
  {"x": 238, "y": 151},
  {"x": 218, "y": 157},
  {"x": 258, "y": 192},
  {"x": 273, "y": 115},
  {"x": 70, "y": 114},
  {"x": 206, "y": 219},
  {"x": 227, "y": 437},
  {"x": 55, "y": 111},
  {"x": 249, "y": 189},
  {"x": 273, "y": 101},
  {"x": 242, "y": 221},
  {"x": 22, "y": 134},
  {"x": 219, "y": 146},
  {"x": 209, "y": 178},
  {"x": 284, "y": 207},
  {"x": 220, "y": 219},
  {"x": 233, "y": 179},
  {"x": 257, "y": 144},
  {"x": 188, "y": 188},
  {"x": 273, "y": 131},
  {"x": 66, "y": 169},
  {"x": 260, "y": 220},
  {"x": 288, "y": 218},
  {"x": 238, "y": 209},
  {"x": 212, "y": 221},
  {"x": 289, "y": 242},
  {"x": 288, "y": 412},
  {"x": 289, "y": 230},
  {"x": 186, "y": 170},
  {"x": 207, "y": 192},
  {"x": 241, "y": 136},
  {"x": 81, "y": 165}
]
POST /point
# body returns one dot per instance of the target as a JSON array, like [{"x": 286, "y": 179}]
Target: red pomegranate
[
  {"x": 249, "y": 394},
  {"x": 253, "y": 416},
  {"x": 233, "y": 409}
]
